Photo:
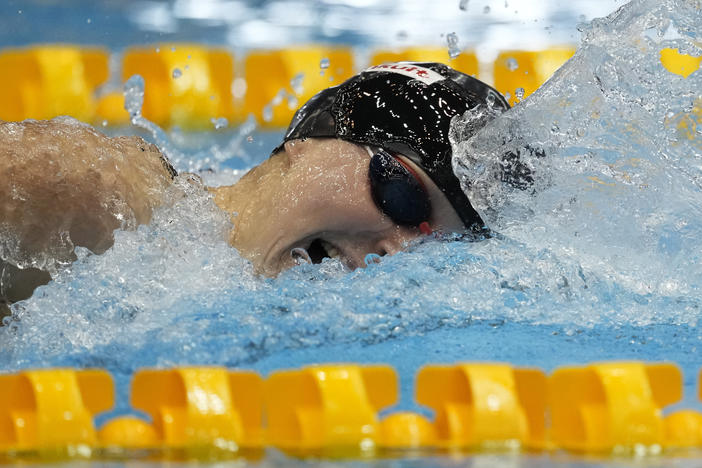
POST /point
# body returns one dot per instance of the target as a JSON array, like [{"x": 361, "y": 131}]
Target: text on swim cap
[{"x": 425, "y": 75}]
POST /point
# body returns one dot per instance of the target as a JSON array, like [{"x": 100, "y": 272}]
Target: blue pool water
[{"x": 600, "y": 260}]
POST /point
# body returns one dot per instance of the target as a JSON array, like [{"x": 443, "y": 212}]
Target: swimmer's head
[
  {"x": 365, "y": 168},
  {"x": 402, "y": 109}
]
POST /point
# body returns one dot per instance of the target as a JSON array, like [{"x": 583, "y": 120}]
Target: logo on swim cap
[{"x": 425, "y": 75}]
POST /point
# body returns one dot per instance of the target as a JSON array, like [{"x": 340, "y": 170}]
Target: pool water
[{"x": 599, "y": 259}]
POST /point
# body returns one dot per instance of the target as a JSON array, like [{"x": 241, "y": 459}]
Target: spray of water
[{"x": 612, "y": 149}]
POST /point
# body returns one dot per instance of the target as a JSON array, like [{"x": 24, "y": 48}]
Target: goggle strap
[
  {"x": 411, "y": 171},
  {"x": 409, "y": 168}
]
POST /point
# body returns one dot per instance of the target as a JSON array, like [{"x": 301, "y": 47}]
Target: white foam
[{"x": 621, "y": 250}]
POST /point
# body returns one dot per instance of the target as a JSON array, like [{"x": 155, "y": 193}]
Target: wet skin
[
  {"x": 63, "y": 184},
  {"x": 62, "y": 177},
  {"x": 316, "y": 192}
]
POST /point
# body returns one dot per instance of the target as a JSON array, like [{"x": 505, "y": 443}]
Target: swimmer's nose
[
  {"x": 393, "y": 244},
  {"x": 387, "y": 247}
]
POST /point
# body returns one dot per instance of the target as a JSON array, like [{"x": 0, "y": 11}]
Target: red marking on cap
[
  {"x": 425, "y": 228},
  {"x": 425, "y": 75}
]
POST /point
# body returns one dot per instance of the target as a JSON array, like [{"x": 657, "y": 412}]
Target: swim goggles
[{"x": 398, "y": 191}]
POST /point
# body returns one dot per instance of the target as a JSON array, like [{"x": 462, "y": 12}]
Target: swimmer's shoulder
[
  {"x": 150, "y": 151},
  {"x": 69, "y": 144}
]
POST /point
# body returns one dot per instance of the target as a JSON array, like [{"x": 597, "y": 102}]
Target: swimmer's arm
[{"x": 63, "y": 184}]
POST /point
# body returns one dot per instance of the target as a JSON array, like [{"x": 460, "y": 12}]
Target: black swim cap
[{"x": 405, "y": 108}]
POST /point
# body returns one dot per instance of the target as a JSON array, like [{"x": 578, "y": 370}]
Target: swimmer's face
[{"x": 315, "y": 202}]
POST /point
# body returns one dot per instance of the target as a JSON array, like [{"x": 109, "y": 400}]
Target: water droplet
[
  {"x": 267, "y": 113},
  {"x": 401, "y": 35},
  {"x": 250, "y": 139},
  {"x": 490, "y": 99},
  {"x": 292, "y": 102},
  {"x": 508, "y": 95},
  {"x": 371, "y": 258},
  {"x": 512, "y": 64},
  {"x": 158, "y": 50},
  {"x": 463, "y": 5},
  {"x": 300, "y": 255},
  {"x": 104, "y": 123},
  {"x": 278, "y": 97},
  {"x": 220, "y": 122},
  {"x": 453, "y": 49},
  {"x": 519, "y": 93},
  {"x": 239, "y": 88},
  {"x": 173, "y": 49},
  {"x": 134, "y": 95},
  {"x": 89, "y": 20},
  {"x": 177, "y": 73},
  {"x": 296, "y": 83},
  {"x": 19, "y": 12},
  {"x": 486, "y": 9},
  {"x": 324, "y": 63}
]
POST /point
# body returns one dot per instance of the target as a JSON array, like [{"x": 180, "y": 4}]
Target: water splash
[
  {"x": 219, "y": 123},
  {"x": 133, "y": 103},
  {"x": 208, "y": 160},
  {"x": 267, "y": 113},
  {"x": 596, "y": 166},
  {"x": 296, "y": 83},
  {"x": 323, "y": 65},
  {"x": 453, "y": 49},
  {"x": 512, "y": 64}
]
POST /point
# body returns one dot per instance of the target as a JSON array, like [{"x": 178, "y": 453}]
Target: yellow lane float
[
  {"x": 52, "y": 409},
  {"x": 678, "y": 63},
  {"x": 517, "y": 73},
  {"x": 186, "y": 85},
  {"x": 43, "y": 82},
  {"x": 483, "y": 404},
  {"x": 334, "y": 410},
  {"x": 612, "y": 406},
  {"x": 192, "y": 407},
  {"x": 277, "y": 82},
  {"x": 328, "y": 406},
  {"x": 191, "y": 85}
]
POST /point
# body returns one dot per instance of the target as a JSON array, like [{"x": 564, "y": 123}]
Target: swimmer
[{"x": 364, "y": 167}]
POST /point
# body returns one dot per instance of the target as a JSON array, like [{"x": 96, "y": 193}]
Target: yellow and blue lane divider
[
  {"x": 189, "y": 85},
  {"x": 605, "y": 407}
]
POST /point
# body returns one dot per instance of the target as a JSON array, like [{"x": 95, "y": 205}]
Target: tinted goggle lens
[{"x": 396, "y": 191}]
